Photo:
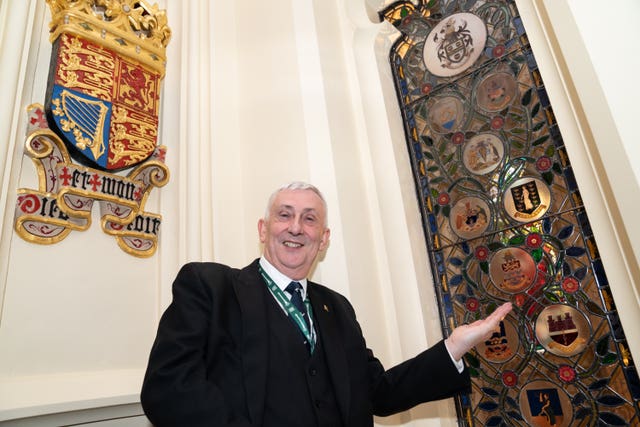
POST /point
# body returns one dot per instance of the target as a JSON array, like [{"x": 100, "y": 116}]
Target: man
[{"x": 237, "y": 347}]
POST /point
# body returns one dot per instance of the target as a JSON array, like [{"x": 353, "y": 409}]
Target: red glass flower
[
  {"x": 443, "y": 199},
  {"x": 481, "y": 253},
  {"x": 497, "y": 122},
  {"x": 570, "y": 284},
  {"x": 457, "y": 138},
  {"x": 472, "y": 304},
  {"x": 543, "y": 164},
  {"x": 509, "y": 378},
  {"x": 566, "y": 373},
  {"x": 534, "y": 240}
]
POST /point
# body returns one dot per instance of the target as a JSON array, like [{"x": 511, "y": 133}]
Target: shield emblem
[
  {"x": 454, "y": 49},
  {"x": 526, "y": 197},
  {"x": 103, "y": 104}
]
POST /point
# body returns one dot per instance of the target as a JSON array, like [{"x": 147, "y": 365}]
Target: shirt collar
[{"x": 280, "y": 279}]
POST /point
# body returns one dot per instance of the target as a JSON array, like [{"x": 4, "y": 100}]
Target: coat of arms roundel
[{"x": 101, "y": 108}]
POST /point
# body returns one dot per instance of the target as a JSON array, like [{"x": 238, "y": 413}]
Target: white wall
[
  {"x": 248, "y": 104},
  {"x": 602, "y": 149}
]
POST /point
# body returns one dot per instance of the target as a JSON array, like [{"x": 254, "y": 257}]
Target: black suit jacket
[{"x": 208, "y": 362}]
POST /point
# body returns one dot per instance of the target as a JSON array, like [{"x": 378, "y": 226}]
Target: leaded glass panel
[{"x": 504, "y": 220}]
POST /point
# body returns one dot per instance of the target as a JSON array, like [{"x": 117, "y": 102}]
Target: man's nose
[{"x": 295, "y": 226}]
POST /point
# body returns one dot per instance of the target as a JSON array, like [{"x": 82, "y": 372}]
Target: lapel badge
[{"x": 324, "y": 306}]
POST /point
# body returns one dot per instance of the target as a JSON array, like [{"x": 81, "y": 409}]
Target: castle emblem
[{"x": 562, "y": 330}]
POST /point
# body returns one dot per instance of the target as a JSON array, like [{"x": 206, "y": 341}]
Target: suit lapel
[
  {"x": 334, "y": 352},
  {"x": 249, "y": 290}
]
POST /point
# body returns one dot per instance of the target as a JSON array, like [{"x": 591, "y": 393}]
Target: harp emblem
[{"x": 85, "y": 119}]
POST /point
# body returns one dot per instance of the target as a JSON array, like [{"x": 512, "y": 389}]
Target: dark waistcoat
[{"x": 299, "y": 389}]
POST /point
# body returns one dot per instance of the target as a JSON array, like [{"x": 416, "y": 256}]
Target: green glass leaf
[
  {"x": 442, "y": 148},
  {"x": 538, "y": 126},
  {"x": 515, "y": 68},
  {"x": 518, "y": 131},
  {"x": 551, "y": 297},
  {"x": 472, "y": 360},
  {"x": 535, "y": 110},
  {"x": 594, "y": 308},
  {"x": 446, "y": 210},
  {"x": 517, "y": 240},
  {"x": 536, "y": 254},
  {"x": 516, "y": 144},
  {"x": 612, "y": 401},
  {"x": 473, "y": 372},
  {"x": 557, "y": 168},
  {"x": 610, "y": 359},
  {"x": 548, "y": 177},
  {"x": 602, "y": 346},
  {"x": 427, "y": 140},
  {"x": 550, "y": 151},
  {"x": 494, "y": 246},
  {"x": 428, "y": 155},
  {"x": 404, "y": 12},
  {"x": 433, "y": 169},
  {"x": 453, "y": 169},
  {"x": 540, "y": 140},
  {"x": 526, "y": 99},
  {"x": 448, "y": 158},
  {"x": 484, "y": 266}
]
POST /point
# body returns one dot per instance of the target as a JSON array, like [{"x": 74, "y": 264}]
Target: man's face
[{"x": 294, "y": 232}]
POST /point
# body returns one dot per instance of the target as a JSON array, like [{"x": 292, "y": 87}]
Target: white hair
[{"x": 296, "y": 185}]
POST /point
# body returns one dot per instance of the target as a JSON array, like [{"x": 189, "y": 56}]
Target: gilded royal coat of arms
[{"x": 96, "y": 137}]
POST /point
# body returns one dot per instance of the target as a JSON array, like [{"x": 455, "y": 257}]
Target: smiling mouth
[{"x": 292, "y": 244}]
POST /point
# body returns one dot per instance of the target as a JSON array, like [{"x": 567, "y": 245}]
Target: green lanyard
[{"x": 291, "y": 311}]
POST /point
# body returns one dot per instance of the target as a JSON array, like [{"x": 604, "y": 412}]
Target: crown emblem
[
  {"x": 510, "y": 263},
  {"x": 132, "y": 28}
]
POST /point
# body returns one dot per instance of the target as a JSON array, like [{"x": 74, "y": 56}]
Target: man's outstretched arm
[{"x": 465, "y": 337}]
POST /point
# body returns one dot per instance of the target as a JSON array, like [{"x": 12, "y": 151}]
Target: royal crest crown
[{"x": 132, "y": 28}]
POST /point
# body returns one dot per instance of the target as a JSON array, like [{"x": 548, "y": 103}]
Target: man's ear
[
  {"x": 262, "y": 229},
  {"x": 325, "y": 239}
]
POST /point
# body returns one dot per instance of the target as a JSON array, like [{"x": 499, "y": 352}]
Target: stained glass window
[{"x": 504, "y": 221}]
